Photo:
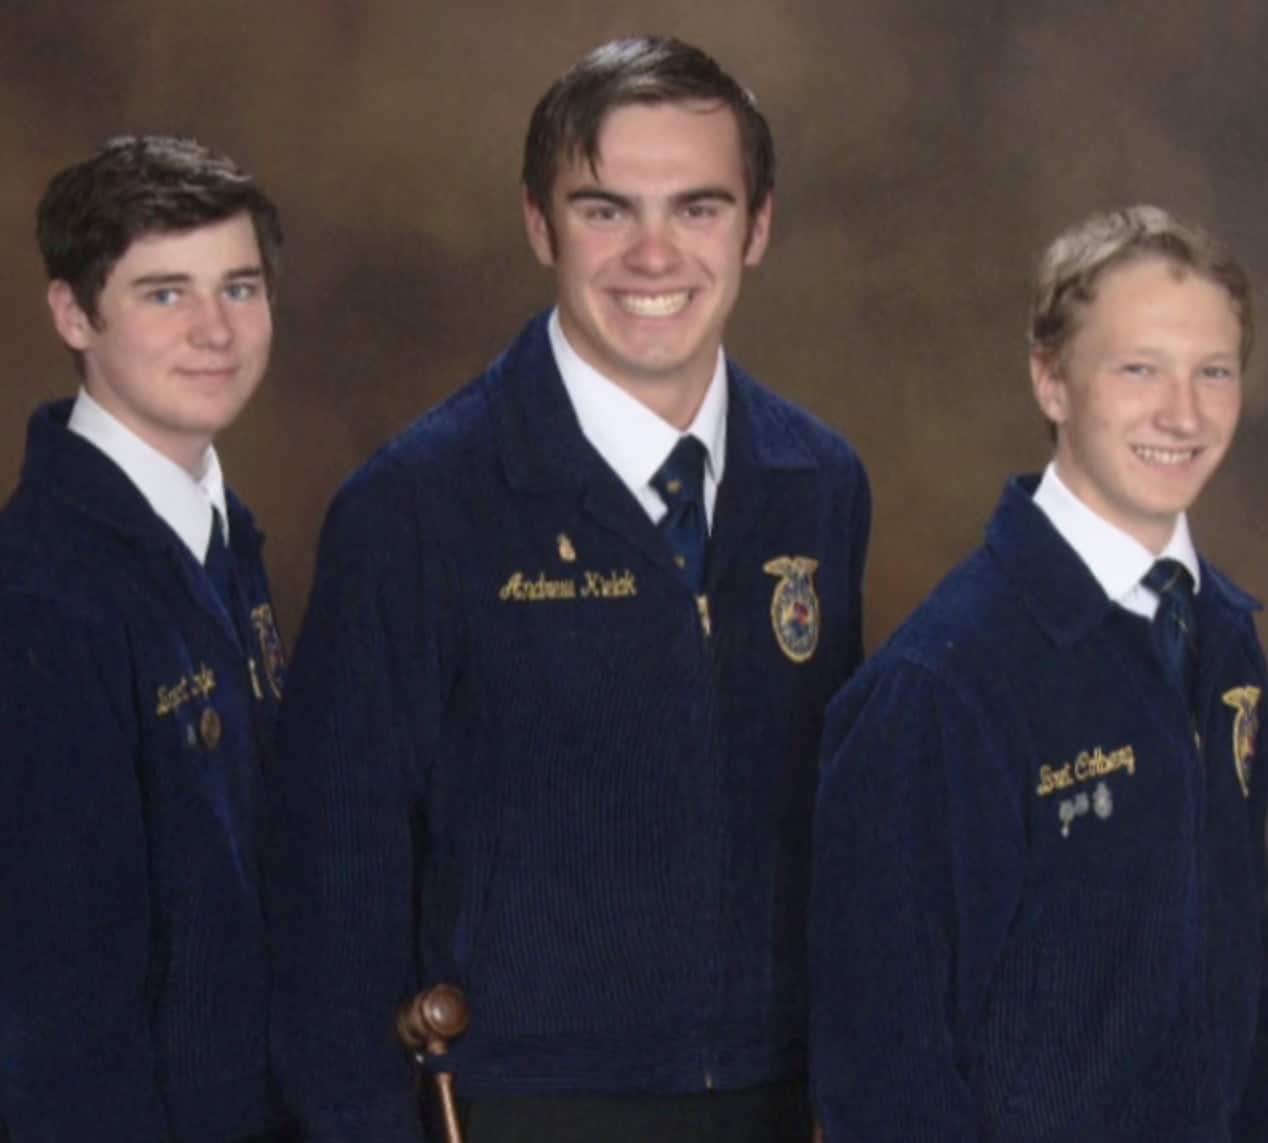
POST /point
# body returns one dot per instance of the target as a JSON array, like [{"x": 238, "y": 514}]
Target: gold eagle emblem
[
  {"x": 1245, "y": 701},
  {"x": 794, "y": 606}
]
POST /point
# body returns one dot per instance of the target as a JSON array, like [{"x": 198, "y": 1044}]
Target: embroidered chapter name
[
  {"x": 1086, "y": 766},
  {"x": 520, "y": 588},
  {"x": 197, "y": 685}
]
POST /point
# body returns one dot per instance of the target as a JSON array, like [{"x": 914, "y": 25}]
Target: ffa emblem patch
[
  {"x": 794, "y": 608},
  {"x": 1245, "y": 701},
  {"x": 567, "y": 552},
  {"x": 270, "y": 647}
]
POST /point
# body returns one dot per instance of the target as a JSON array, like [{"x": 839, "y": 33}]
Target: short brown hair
[
  {"x": 647, "y": 70},
  {"x": 135, "y": 185}
]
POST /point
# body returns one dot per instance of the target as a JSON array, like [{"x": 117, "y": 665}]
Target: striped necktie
[
  {"x": 680, "y": 483},
  {"x": 1175, "y": 633},
  {"x": 218, "y": 563}
]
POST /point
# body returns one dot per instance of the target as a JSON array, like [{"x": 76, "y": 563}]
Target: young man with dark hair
[
  {"x": 140, "y": 671},
  {"x": 1039, "y": 844},
  {"x": 553, "y": 722}
]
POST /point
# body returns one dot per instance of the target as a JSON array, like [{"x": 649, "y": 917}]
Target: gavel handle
[{"x": 444, "y": 1085}]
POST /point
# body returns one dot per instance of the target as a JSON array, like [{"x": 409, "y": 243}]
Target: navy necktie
[
  {"x": 218, "y": 563},
  {"x": 680, "y": 482},
  {"x": 1175, "y": 632}
]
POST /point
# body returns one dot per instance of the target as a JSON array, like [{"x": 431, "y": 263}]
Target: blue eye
[
  {"x": 164, "y": 295},
  {"x": 602, "y": 212},
  {"x": 241, "y": 291},
  {"x": 701, "y": 211}
]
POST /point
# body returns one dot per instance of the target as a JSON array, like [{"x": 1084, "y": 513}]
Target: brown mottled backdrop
[{"x": 927, "y": 150}]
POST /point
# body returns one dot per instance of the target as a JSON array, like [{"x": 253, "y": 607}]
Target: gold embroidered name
[
  {"x": 197, "y": 685},
  {"x": 524, "y": 590},
  {"x": 521, "y": 588},
  {"x": 615, "y": 585},
  {"x": 1085, "y": 767}
]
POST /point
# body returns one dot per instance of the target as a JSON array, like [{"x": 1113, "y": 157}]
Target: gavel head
[{"x": 432, "y": 1019}]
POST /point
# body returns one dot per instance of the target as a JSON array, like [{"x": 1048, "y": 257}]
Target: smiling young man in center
[
  {"x": 649, "y": 254},
  {"x": 554, "y": 714}
]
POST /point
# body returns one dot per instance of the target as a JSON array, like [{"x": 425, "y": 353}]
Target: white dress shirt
[
  {"x": 1117, "y": 560},
  {"x": 185, "y": 504},
  {"x": 633, "y": 440}
]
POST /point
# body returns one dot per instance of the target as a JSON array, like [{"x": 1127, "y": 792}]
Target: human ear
[{"x": 73, "y": 326}]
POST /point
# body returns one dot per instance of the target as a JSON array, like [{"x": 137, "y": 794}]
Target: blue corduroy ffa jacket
[
  {"x": 512, "y": 757},
  {"x": 1038, "y": 902},
  {"x": 133, "y": 986}
]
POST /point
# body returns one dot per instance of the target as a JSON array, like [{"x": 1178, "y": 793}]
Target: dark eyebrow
[
  {"x": 594, "y": 194},
  {"x": 160, "y": 280},
  {"x": 711, "y": 194},
  {"x": 153, "y": 281},
  {"x": 684, "y": 198}
]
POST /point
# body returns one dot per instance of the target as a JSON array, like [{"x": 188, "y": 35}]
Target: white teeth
[
  {"x": 1165, "y": 455},
  {"x": 653, "y": 305}
]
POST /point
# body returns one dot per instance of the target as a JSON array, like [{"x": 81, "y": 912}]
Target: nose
[
  {"x": 211, "y": 325},
  {"x": 1179, "y": 412},
  {"x": 652, "y": 249}
]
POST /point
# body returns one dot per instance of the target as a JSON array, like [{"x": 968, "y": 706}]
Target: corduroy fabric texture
[
  {"x": 512, "y": 758},
  {"x": 1038, "y": 907},
  {"x": 133, "y": 973}
]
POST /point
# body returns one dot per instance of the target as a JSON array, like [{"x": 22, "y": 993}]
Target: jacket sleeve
[
  {"x": 1251, "y": 1124},
  {"x": 362, "y": 701},
  {"x": 76, "y": 1057},
  {"x": 916, "y": 867},
  {"x": 860, "y": 516}
]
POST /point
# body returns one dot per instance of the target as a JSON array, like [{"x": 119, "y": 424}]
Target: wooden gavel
[{"x": 425, "y": 1026}]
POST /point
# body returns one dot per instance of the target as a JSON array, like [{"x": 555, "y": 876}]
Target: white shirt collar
[
  {"x": 183, "y": 503},
  {"x": 1117, "y": 560},
  {"x": 632, "y": 439}
]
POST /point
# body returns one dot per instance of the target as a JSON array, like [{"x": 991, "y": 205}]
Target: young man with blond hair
[{"x": 1039, "y": 842}]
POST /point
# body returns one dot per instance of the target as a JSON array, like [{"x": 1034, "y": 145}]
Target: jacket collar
[
  {"x": 64, "y": 465},
  {"x": 543, "y": 449},
  {"x": 1057, "y": 587},
  {"x": 541, "y": 443}
]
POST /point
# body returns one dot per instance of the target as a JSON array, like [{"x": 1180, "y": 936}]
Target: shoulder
[
  {"x": 445, "y": 435},
  {"x": 1228, "y": 593},
  {"x": 460, "y": 442},
  {"x": 439, "y": 447},
  {"x": 1222, "y": 602},
  {"x": 52, "y": 556},
  {"x": 426, "y": 478},
  {"x": 944, "y": 676},
  {"x": 778, "y": 421},
  {"x": 63, "y": 624},
  {"x": 973, "y": 626}
]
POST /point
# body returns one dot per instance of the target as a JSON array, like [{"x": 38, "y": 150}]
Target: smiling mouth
[
  {"x": 211, "y": 371},
  {"x": 1167, "y": 457},
  {"x": 654, "y": 305}
]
